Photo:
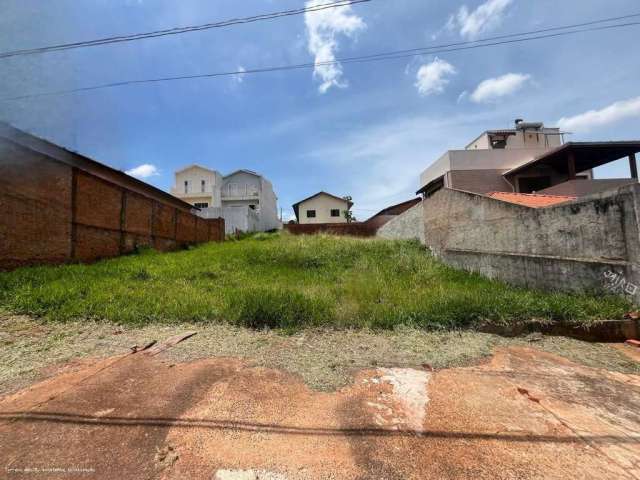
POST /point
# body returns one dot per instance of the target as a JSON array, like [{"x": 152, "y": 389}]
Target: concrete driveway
[{"x": 522, "y": 414}]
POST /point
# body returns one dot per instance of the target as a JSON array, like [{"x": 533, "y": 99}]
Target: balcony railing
[
  {"x": 238, "y": 192},
  {"x": 179, "y": 192}
]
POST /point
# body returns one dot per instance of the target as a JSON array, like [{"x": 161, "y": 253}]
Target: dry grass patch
[{"x": 325, "y": 359}]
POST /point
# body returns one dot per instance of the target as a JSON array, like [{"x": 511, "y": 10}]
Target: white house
[
  {"x": 248, "y": 189},
  {"x": 245, "y": 199},
  {"x": 322, "y": 208}
]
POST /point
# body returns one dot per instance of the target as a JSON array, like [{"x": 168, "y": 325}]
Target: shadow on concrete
[{"x": 163, "y": 422}]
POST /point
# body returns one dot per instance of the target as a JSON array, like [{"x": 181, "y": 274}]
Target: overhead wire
[
  {"x": 397, "y": 54},
  {"x": 180, "y": 30}
]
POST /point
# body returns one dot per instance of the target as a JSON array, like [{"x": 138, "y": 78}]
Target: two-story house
[
  {"x": 199, "y": 186},
  {"x": 527, "y": 159},
  {"x": 246, "y": 188},
  {"x": 245, "y": 199}
]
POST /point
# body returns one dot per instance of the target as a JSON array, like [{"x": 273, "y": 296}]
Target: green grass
[{"x": 282, "y": 281}]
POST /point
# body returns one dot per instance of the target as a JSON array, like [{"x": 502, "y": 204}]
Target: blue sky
[{"x": 366, "y": 129}]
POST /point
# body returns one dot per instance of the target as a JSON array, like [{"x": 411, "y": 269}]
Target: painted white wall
[
  {"x": 236, "y": 218},
  {"x": 501, "y": 159},
  {"x": 322, "y": 204},
  {"x": 245, "y": 188},
  {"x": 545, "y": 138},
  {"x": 436, "y": 169},
  {"x": 268, "y": 207},
  {"x": 194, "y": 191},
  {"x": 241, "y": 185},
  {"x": 480, "y": 143}
]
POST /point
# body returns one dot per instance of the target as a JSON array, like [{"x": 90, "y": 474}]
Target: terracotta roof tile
[{"x": 530, "y": 199}]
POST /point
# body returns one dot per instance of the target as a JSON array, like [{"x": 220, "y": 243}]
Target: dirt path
[{"x": 523, "y": 414}]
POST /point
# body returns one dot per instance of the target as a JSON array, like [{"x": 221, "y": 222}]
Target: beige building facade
[
  {"x": 199, "y": 186},
  {"x": 483, "y": 164},
  {"x": 322, "y": 207},
  {"x": 240, "y": 194}
]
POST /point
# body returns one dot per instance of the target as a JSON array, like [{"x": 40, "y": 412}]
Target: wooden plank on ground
[{"x": 170, "y": 342}]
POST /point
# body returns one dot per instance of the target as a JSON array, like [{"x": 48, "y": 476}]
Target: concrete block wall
[
  {"x": 408, "y": 225},
  {"x": 569, "y": 247},
  {"x": 51, "y": 212}
]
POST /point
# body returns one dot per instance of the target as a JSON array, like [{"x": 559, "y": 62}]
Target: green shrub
[{"x": 278, "y": 308}]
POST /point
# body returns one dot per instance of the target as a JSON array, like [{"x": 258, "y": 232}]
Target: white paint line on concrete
[
  {"x": 247, "y": 475},
  {"x": 410, "y": 390}
]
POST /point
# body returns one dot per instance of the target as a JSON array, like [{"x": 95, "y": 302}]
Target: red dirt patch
[{"x": 139, "y": 416}]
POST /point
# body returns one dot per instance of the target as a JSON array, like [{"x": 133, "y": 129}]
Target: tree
[{"x": 348, "y": 214}]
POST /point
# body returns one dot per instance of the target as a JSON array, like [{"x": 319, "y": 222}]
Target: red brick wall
[
  {"x": 98, "y": 203},
  {"x": 93, "y": 243},
  {"x": 138, "y": 214},
  {"x": 35, "y": 208},
  {"x": 185, "y": 227},
  {"x": 164, "y": 221},
  {"x": 53, "y": 213},
  {"x": 202, "y": 230},
  {"x": 352, "y": 229},
  {"x": 216, "y": 230}
]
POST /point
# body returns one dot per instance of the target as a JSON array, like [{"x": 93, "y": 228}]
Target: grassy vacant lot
[{"x": 281, "y": 281}]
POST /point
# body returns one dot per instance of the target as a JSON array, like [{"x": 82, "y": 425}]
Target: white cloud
[
  {"x": 145, "y": 170},
  {"x": 597, "y": 118},
  {"x": 239, "y": 77},
  {"x": 494, "y": 88},
  {"x": 485, "y": 18},
  {"x": 432, "y": 77},
  {"x": 323, "y": 28}
]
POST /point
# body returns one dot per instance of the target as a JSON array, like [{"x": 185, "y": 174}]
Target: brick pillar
[{"x": 74, "y": 209}]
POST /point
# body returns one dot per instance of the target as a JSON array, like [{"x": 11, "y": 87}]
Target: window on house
[
  {"x": 202, "y": 185},
  {"x": 201, "y": 205},
  {"x": 186, "y": 186},
  {"x": 335, "y": 212},
  {"x": 311, "y": 214}
]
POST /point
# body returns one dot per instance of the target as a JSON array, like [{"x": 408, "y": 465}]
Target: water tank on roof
[{"x": 522, "y": 125}]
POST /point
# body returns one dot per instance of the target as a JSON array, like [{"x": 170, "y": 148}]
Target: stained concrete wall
[
  {"x": 240, "y": 218},
  {"x": 52, "y": 212},
  {"x": 574, "y": 246},
  {"x": 408, "y": 225}
]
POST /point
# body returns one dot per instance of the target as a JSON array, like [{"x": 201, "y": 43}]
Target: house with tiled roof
[
  {"x": 529, "y": 159},
  {"x": 522, "y": 206},
  {"x": 532, "y": 200}
]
